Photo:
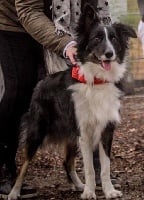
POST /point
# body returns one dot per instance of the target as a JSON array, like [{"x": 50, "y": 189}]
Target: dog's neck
[{"x": 81, "y": 78}]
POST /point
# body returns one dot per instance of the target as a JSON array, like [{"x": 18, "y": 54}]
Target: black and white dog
[{"x": 76, "y": 106}]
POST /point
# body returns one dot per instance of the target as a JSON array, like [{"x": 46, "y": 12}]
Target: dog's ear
[
  {"x": 88, "y": 17},
  {"x": 125, "y": 30},
  {"x": 90, "y": 14}
]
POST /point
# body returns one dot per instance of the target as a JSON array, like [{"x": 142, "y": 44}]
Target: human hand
[{"x": 71, "y": 52}]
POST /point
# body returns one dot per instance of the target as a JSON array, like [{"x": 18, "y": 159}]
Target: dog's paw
[
  {"x": 13, "y": 195},
  {"x": 88, "y": 194},
  {"x": 113, "y": 194}
]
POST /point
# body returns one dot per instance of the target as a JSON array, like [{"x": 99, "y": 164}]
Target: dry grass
[
  {"x": 136, "y": 57},
  {"x": 132, "y": 5}
]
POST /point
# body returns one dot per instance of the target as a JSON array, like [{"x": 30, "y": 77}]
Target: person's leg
[
  {"x": 141, "y": 8},
  {"x": 7, "y": 102},
  {"x": 19, "y": 61},
  {"x": 140, "y": 31},
  {"x": 2, "y": 88}
]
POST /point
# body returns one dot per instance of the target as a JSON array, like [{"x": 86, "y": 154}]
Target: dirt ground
[{"x": 127, "y": 160}]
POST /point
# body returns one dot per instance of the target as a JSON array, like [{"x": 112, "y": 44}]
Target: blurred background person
[{"x": 141, "y": 23}]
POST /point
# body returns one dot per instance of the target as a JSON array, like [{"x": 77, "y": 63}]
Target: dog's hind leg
[
  {"x": 30, "y": 151},
  {"x": 69, "y": 165},
  {"x": 107, "y": 186},
  {"x": 15, "y": 192},
  {"x": 33, "y": 140}
]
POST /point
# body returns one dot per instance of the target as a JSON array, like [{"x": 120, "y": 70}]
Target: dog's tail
[
  {"x": 24, "y": 129},
  {"x": 31, "y": 133}
]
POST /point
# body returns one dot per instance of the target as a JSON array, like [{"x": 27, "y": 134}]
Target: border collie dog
[{"x": 75, "y": 107}]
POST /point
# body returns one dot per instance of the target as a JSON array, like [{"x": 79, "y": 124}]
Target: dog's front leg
[
  {"x": 107, "y": 186},
  {"x": 87, "y": 153}
]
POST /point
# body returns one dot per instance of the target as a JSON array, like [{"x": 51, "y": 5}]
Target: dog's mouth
[{"x": 106, "y": 64}]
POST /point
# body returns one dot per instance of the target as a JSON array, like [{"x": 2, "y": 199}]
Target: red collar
[{"x": 81, "y": 78}]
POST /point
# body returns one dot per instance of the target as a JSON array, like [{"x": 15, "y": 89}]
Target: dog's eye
[
  {"x": 97, "y": 40},
  {"x": 113, "y": 39}
]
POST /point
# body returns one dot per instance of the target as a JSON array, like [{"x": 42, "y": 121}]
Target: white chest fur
[{"x": 95, "y": 107}]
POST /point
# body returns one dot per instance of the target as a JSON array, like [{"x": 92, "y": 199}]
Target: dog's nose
[{"x": 109, "y": 54}]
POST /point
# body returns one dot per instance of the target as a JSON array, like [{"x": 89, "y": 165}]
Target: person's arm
[
  {"x": 37, "y": 24},
  {"x": 104, "y": 11}
]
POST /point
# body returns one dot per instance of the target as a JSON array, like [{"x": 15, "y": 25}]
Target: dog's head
[{"x": 100, "y": 43}]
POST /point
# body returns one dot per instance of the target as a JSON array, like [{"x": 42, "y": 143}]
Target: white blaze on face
[
  {"x": 109, "y": 45},
  {"x": 106, "y": 63}
]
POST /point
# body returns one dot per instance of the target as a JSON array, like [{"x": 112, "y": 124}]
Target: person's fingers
[
  {"x": 72, "y": 58},
  {"x": 71, "y": 52}
]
